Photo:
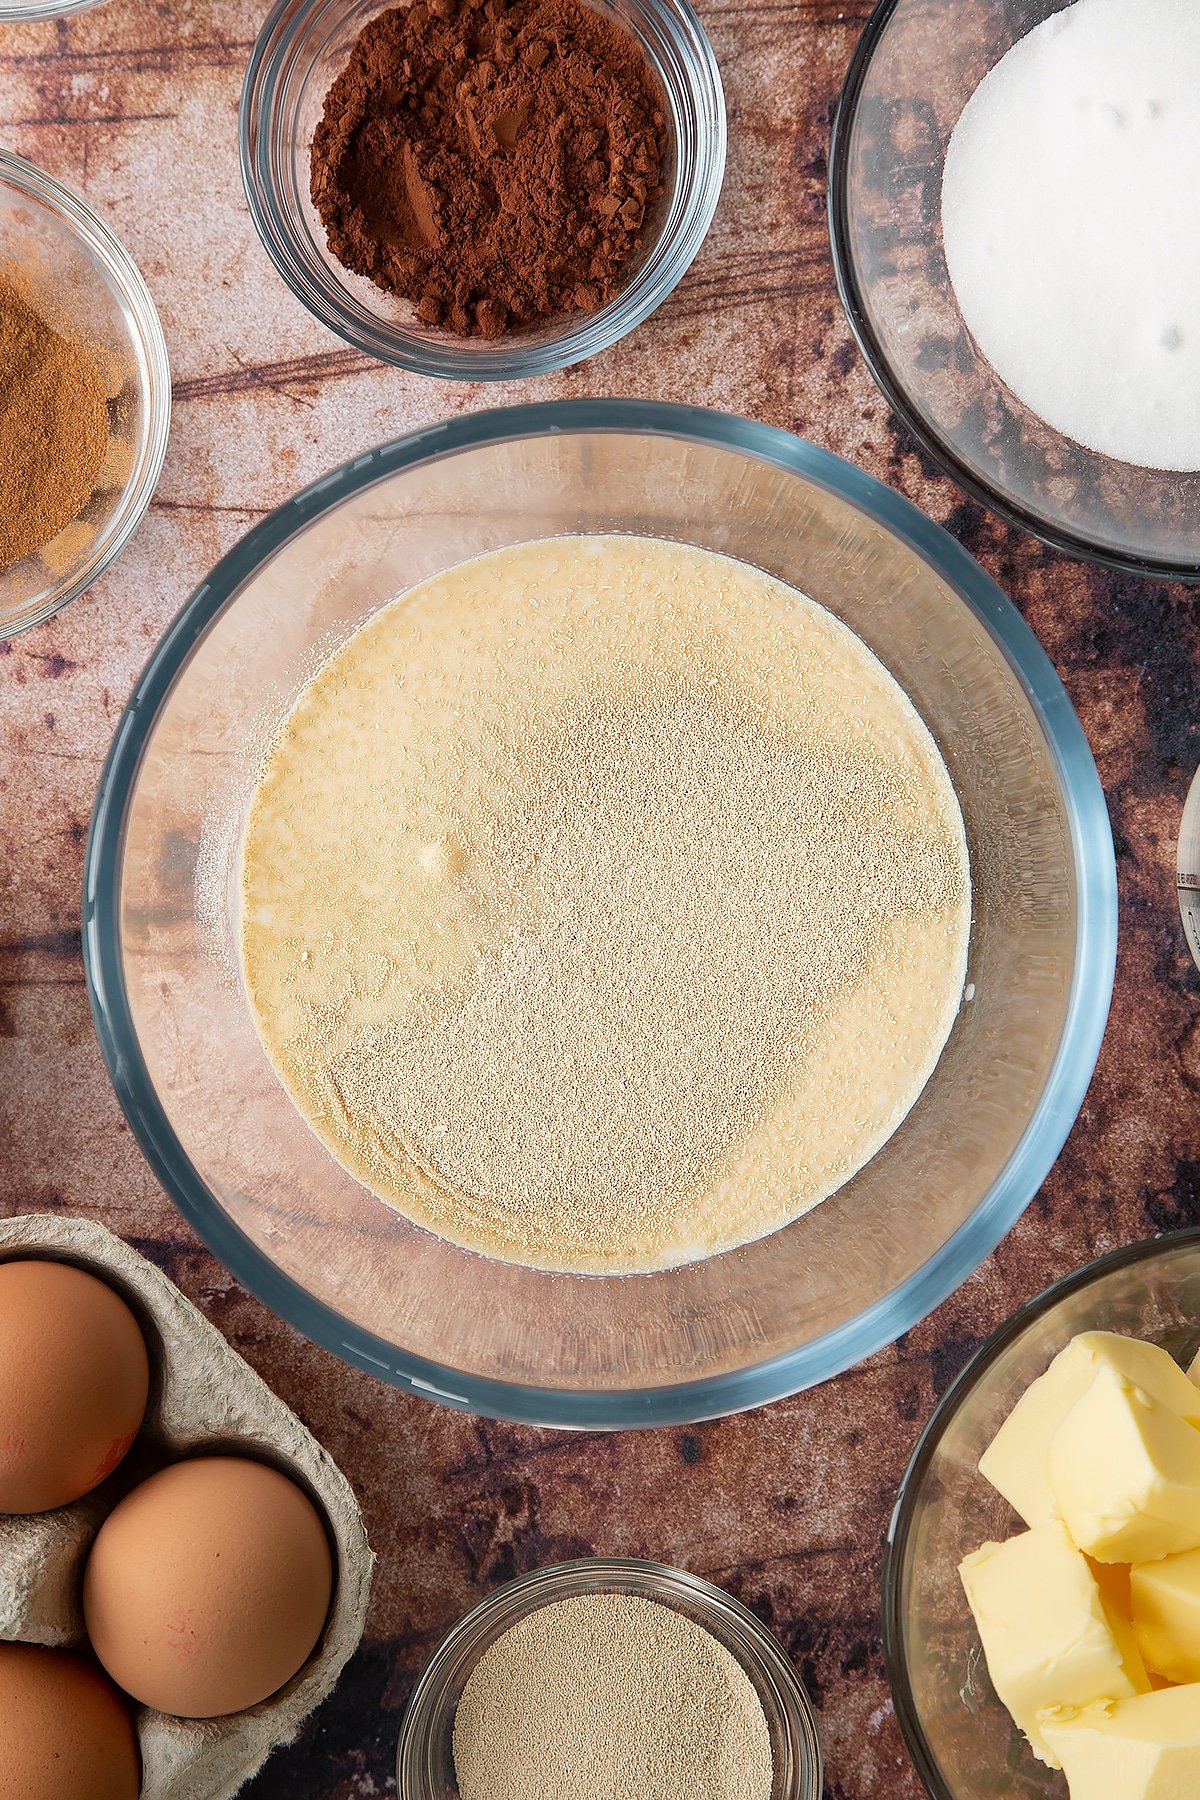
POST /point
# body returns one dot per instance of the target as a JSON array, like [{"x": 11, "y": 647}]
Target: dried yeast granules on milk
[{"x": 605, "y": 904}]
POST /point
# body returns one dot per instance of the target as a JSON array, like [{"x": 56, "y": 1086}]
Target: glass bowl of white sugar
[{"x": 1012, "y": 210}]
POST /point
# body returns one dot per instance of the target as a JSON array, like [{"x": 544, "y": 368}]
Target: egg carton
[{"x": 202, "y": 1396}]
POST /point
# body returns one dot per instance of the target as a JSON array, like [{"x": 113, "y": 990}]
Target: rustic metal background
[{"x": 135, "y": 104}]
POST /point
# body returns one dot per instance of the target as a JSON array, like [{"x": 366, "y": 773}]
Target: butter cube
[
  {"x": 1165, "y": 1601},
  {"x": 1125, "y": 1474},
  {"x": 1147, "y": 1748},
  {"x": 1016, "y": 1460},
  {"x": 1116, "y": 1597},
  {"x": 1113, "y": 1580},
  {"x": 1046, "y": 1633}
]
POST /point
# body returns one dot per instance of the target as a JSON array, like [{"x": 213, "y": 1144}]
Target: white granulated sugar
[{"x": 1071, "y": 219}]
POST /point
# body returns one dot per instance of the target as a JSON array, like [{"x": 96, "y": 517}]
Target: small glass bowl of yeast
[
  {"x": 916, "y": 66},
  {"x": 425, "y": 1769},
  {"x": 73, "y": 270},
  {"x": 962, "y": 1739}
]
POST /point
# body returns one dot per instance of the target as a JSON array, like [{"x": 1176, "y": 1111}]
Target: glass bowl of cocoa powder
[
  {"x": 86, "y": 406},
  {"x": 482, "y": 190}
]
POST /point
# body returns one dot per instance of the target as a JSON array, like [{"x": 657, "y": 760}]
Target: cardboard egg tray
[{"x": 202, "y": 1396}]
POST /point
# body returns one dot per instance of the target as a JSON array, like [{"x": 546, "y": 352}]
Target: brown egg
[
  {"x": 208, "y": 1586},
  {"x": 74, "y": 1379},
  {"x": 65, "y": 1732}
]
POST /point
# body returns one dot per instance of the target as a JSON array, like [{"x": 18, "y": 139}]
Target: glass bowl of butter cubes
[{"x": 1042, "y": 1587}]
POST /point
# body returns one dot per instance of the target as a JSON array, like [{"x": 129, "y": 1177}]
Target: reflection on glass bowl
[{"x": 1188, "y": 874}]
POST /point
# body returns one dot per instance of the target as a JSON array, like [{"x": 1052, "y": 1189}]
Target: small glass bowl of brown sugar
[
  {"x": 414, "y": 138},
  {"x": 86, "y": 401},
  {"x": 609, "y": 1676}
]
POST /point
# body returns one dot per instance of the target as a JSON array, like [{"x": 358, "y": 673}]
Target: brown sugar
[
  {"x": 495, "y": 164},
  {"x": 53, "y": 428}
]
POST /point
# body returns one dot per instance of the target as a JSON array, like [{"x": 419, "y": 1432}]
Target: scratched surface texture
[{"x": 135, "y": 104}]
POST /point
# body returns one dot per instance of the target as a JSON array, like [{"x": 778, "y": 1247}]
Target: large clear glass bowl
[
  {"x": 916, "y": 66},
  {"x": 962, "y": 1740},
  {"x": 305, "y": 45},
  {"x": 160, "y": 923}
]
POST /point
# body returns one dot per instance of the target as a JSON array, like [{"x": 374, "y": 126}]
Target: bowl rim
[
  {"x": 592, "y": 1574},
  {"x": 510, "y": 358},
  {"x": 887, "y": 1318},
  {"x": 1070, "y": 543},
  {"x": 956, "y": 1396},
  {"x": 32, "y": 11},
  {"x": 150, "y": 352}
]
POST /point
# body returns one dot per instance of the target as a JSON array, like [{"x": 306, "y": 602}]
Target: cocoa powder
[{"x": 496, "y": 164}]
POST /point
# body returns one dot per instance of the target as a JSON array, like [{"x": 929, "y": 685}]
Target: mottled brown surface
[{"x": 136, "y": 105}]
